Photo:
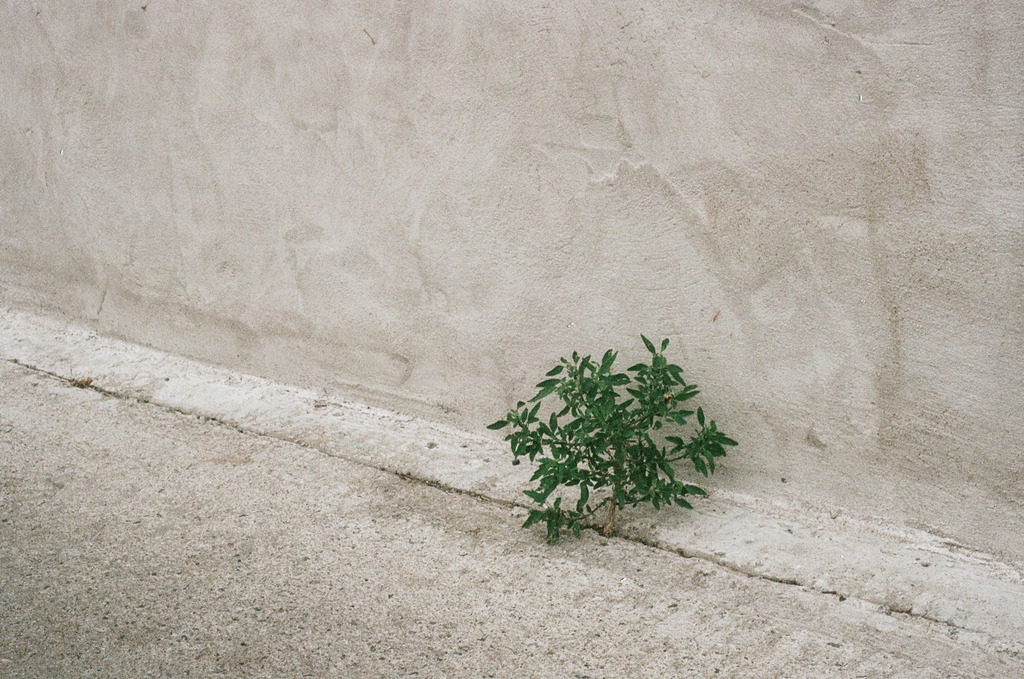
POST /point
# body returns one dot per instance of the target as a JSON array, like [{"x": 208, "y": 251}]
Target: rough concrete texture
[
  {"x": 425, "y": 204},
  {"x": 974, "y": 594},
  {"x": 135, "y": 541}
]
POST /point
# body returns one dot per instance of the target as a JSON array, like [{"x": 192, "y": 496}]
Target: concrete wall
[{"x": 426, "y": 203}]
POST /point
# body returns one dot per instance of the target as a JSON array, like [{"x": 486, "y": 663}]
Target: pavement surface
[{"x": 136, "y": 541}]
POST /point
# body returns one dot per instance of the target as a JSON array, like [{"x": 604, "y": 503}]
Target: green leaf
[
  {"x": 667, "y": 468},
  {"x": 554, "y": 528},
  {"x": 700, "y": 416},
  {"x": 548, "y": 484},
  {"x": 554, "y": 371},
  {"x": 537, "y": 496},
  {"x": 536, "y": 515},
  {"x": 647, "y": 343},
  {"x": 664, "y": 344},
  {"x": 544, "y": 392},
  {"x": 584, "y": 497},
  {"x": 606, "y": 361},
  {"x": 500, "y": 424},
  {"x": 636, "y": 367},
  {"x": 726, "y": 441}
]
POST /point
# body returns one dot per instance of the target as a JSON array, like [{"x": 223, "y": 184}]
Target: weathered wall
[{"x": 429, "y": 202}]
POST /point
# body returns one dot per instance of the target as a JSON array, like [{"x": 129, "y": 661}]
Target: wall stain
[{"x": 103, "y": 298}]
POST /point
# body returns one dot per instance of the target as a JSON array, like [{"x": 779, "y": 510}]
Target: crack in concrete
[{"x": 884, "y": 607}]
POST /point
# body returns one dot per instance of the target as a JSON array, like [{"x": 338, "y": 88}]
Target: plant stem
[{"x": 609, "y": 522}]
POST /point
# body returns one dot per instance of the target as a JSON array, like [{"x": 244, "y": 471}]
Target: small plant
[{"x": 607, "y": 444}]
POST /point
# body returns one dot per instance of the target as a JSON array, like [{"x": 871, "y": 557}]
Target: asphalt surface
[{"x": 140, "y": 542}]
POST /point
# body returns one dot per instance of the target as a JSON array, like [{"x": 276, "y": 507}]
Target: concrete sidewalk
[{"x": 136, "y": 541}]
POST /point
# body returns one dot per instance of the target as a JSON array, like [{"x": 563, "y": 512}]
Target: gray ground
[{"x": 135, "y": 542}]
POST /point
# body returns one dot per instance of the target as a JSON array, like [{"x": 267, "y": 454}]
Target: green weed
[{"x": 602, "y": 437}]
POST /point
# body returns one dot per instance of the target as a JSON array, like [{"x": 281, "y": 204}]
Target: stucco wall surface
[{"x": 426, "y": 203}]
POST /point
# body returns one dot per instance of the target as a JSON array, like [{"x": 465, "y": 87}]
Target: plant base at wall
[{"x": 605, "y": 440}]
